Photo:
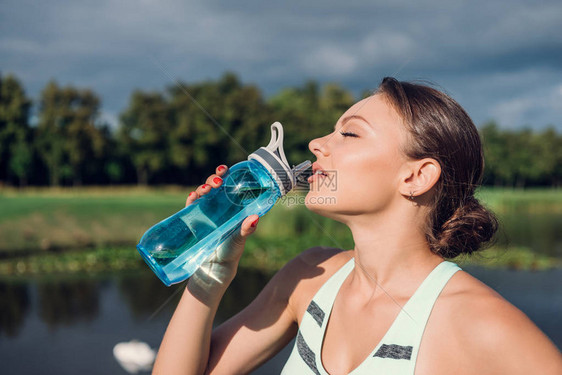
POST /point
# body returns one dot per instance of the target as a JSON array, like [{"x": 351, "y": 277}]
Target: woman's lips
[
  {"x": 316, "y": 175},
  {"x": 317, "y": 172}
]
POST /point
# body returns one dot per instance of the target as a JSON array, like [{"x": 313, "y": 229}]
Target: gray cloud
[{"x": 500, "y": 60}]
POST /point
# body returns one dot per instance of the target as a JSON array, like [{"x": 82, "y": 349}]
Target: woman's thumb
[{"x": 249, "y": 225}]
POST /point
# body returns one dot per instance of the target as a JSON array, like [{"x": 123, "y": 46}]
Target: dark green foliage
[
  {"x": 521, "y": 158},
  {"x": 68, "y": 140},
  {"x": 15, "y": 134},
  {"x": 179, "y": 135}
]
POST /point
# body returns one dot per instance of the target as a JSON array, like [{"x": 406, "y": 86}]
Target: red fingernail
[
  {"x": 204, "y": 186},
  {"x": 191, "y": 194},
  {"x": 255, "y": 222},
  {"x": 217, "y": 180},
  {"x": 222, "y": 168}
]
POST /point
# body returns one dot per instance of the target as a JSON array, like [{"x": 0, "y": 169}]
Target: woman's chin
[{"x": 322, "y": 205}]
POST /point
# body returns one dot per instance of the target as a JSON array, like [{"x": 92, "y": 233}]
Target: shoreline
[{"x": 94, "y": 261}]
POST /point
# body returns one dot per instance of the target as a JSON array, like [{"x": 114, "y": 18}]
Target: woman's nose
[{"x": 319, "y": 145}]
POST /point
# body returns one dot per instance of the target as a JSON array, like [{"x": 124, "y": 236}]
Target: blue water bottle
[{"x": 175, "y": 247}]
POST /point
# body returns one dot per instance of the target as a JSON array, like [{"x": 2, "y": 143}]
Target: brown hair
[{"x": 440, "y": 129}]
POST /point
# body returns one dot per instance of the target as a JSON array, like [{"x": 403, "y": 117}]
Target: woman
[{"x": 407, "y": 161}]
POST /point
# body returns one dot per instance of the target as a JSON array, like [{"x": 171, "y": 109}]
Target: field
[{"x": 47, "y": 231}]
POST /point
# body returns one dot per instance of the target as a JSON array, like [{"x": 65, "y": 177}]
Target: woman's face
[{"x": 362, "y": 160}]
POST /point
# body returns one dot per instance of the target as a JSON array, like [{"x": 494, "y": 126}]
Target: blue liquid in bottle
[{"x": 176, "y": 247}]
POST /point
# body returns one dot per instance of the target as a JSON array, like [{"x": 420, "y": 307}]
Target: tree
[
  {"x": 84, "y": 142},
  {"x": 144, "y": 130},
  {"x": 15, "y": 151},
  {"x": 68, "y": 139},
  {"x": 548, "y": 157},
  {"x": 21, "y": 158},
  {"x": 521, "y": 157},
  {"x": 523, "y": 154},
  {"x": 50, "y": 136},
  {"x": 215, "y": 122},
  {"x": 496, "y": 169}
]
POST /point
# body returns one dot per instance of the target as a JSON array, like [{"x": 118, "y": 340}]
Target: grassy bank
[
  {"x": 96, "y": 229},
  {"x": 44, "y": 219},
  {"x": 268, "y": 258},
  {"x": 503, "y": 200}
]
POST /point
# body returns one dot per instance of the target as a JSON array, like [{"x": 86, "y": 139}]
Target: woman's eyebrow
[{"x": 352, "y": 117}]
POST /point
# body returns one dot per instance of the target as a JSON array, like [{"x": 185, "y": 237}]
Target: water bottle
[{"x": 175, "y": 247}]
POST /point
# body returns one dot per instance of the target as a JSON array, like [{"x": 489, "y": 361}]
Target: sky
[{"x": 501, "y": 60}]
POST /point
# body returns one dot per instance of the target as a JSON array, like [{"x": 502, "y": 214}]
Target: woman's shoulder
[
  {"x": 470, "y": 300},
  {"x": 307, "y": 272},
  {"x": 317, "y": 263},
  {"x": 484, "y": 325}
]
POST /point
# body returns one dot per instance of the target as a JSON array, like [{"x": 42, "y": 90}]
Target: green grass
[
  {"x": 532, "y": 200},
  {"x": 46, "y": 231},
  {"x": 46, "y": 220},
  {"x": 89, "y": 261},
  {"x": 43, "y": 220}
]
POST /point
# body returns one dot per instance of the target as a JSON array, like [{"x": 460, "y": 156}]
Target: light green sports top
[{"x": 397, "y": 351}]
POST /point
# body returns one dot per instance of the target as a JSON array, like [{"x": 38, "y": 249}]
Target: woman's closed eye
[{"x": 348, "y": 134}]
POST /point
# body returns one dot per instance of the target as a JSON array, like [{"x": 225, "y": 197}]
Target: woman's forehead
[{"x": 376, "y": 109}]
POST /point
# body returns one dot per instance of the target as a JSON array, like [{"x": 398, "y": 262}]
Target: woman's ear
[{"x": 423, "y": 175}]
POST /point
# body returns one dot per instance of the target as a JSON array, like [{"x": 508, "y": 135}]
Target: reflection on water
[
  {"x": 66, "y": 303},
  {"x": 144, "y": 295},
  {"x": 14, "y": 305},
  {"x": 71, "y": 325}
]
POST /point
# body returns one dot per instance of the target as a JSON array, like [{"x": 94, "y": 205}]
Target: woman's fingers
[
  {"x": 249, "y": 225},
  {"x": 213, "y": 181},
  {"x": 221, "y": 169},
  {"x": 230, "y": 251},
  {"x": 191, "y": 197}
]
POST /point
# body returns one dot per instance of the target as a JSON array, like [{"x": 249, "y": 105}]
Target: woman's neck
[{"x": 391, "y": 252}]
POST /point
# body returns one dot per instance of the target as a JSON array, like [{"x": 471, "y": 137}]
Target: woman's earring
[{"x": 411, "y": 197}]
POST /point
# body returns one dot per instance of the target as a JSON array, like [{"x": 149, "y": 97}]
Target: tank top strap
[
  {"x": 398, "y": 350},
  {"x": 316, "y": 316},
  {"x": 421, "y": 303},
  {"x": 326, "y": 295}
]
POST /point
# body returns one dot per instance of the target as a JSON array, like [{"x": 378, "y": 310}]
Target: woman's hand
[{"x": 215, "y": 274}]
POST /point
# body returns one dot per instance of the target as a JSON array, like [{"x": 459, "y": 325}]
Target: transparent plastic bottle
[{"x": 175, "y": 247}]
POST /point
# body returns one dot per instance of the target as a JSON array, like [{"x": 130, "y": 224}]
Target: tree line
[{"x": 178, "y": 135}]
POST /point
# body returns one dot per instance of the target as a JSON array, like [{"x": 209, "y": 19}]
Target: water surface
[{"x": 70, "y": 325}]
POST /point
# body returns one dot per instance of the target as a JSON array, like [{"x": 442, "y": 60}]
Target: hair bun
[{"x": 469, "y": 228}]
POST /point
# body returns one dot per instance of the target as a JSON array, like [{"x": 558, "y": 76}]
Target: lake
[{"x": 69, "y": 325}]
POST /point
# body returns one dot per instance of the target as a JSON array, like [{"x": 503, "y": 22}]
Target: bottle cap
[{"x": 273, "y": 158}]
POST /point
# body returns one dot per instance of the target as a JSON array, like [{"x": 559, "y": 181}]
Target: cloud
[
  {"x": 329, "y": 60},
  {"x": 487, "y": 53},
  {"x": 530, "y": 108}
]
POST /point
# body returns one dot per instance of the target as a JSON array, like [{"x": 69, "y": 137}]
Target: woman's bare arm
[
  {"x": 245, "y": 341},
  {"x": 521, "y": 346},
  {"x": 186, "y": 343},
  {"x": 506, "y": 341},
  {"x": 254, "y": 335},
  {"x": 185, "y": 346}
]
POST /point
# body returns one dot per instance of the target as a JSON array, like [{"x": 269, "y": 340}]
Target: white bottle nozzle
[
  {"x": 275, "y": 144},
  {"x": 273, "y": 158}
]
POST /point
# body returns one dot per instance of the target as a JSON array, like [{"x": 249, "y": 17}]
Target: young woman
[{"x": 407, "y": 161}]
